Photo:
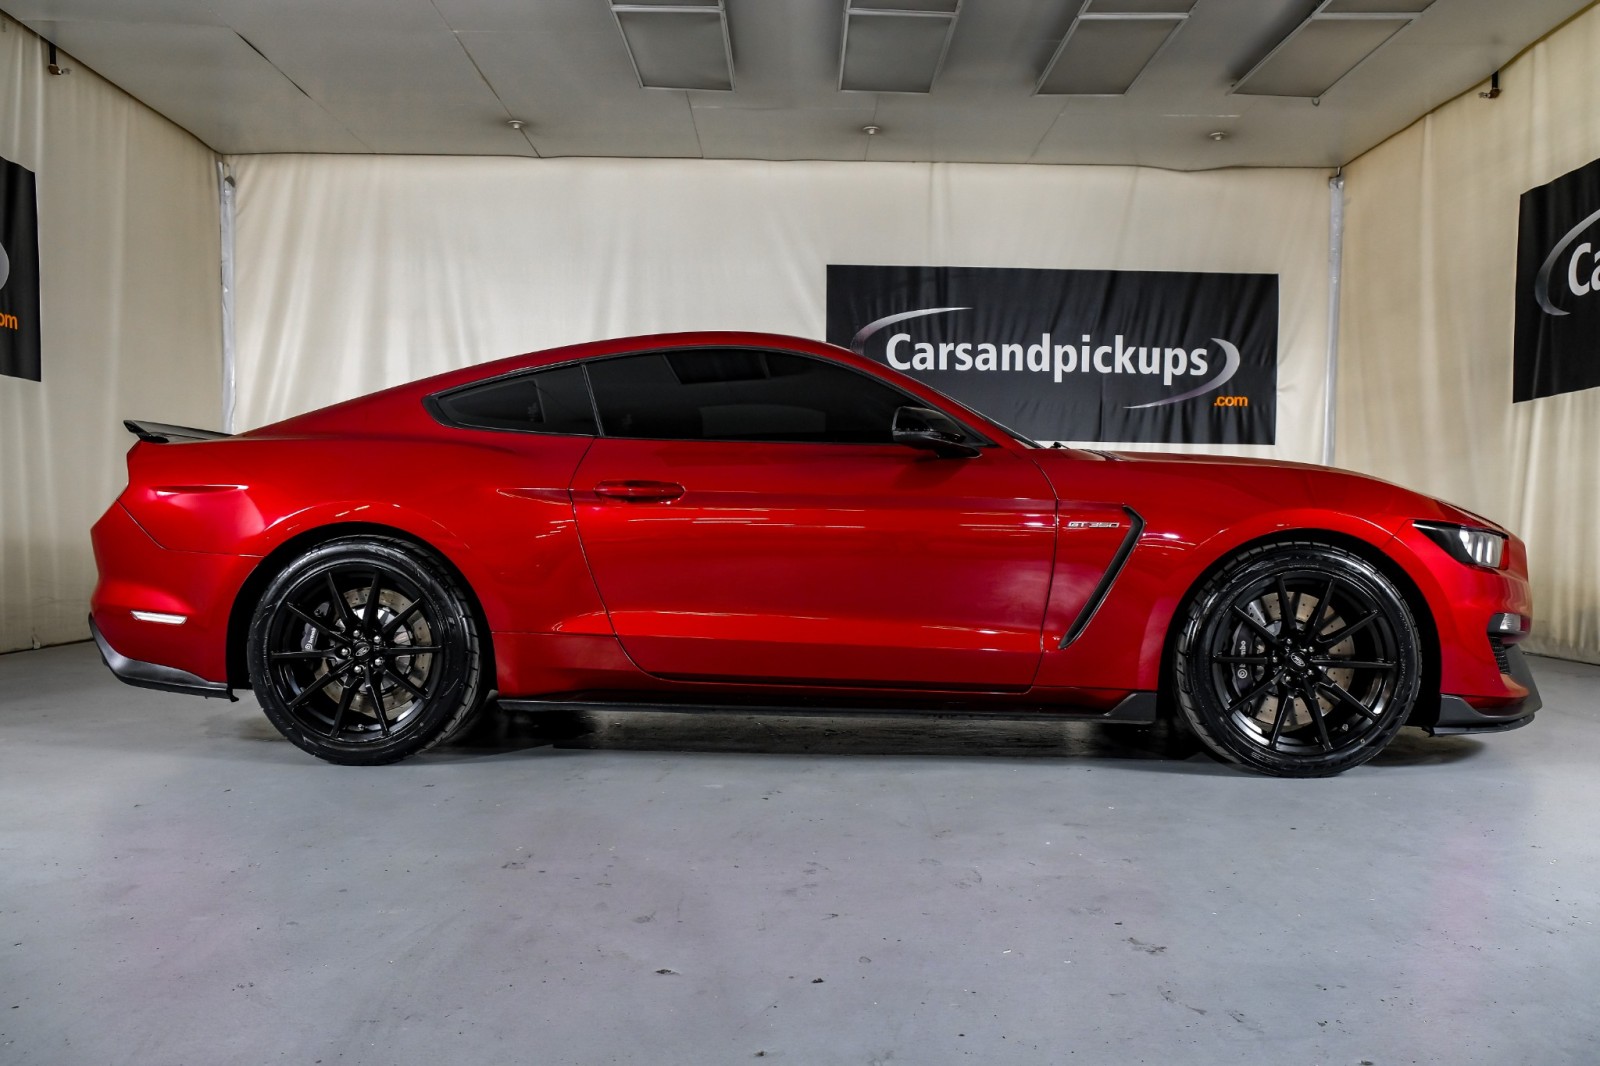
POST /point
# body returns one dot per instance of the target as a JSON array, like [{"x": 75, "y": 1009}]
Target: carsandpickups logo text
[
  {"x": 1076, "y": 355},
  {"x": 1558, "y": 287}
]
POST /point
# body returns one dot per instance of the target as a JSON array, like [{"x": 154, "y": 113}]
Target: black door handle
[{"x": 640, "y": 491}]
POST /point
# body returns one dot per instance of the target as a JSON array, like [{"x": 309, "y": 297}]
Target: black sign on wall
[
  {"x": 1557, "y": 341},
  {"x": 1085, "y": 355},
  {"x": 19, "y": 272}
]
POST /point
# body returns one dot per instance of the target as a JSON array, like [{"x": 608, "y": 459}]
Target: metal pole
[
  {"x": 226, "y": 188},
  {"x": 1335, "y": 265}
]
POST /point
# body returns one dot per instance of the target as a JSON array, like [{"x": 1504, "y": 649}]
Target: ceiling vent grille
[
  {"x": 895, "y": 46},
  {"x": 1109, "y": 44},
  {"x": 681, "y": 44},
  {"x": 1335, "y": 39}
]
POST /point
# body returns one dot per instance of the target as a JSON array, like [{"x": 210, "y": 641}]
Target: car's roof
[
  {"x": 642, "y": 342},
  {"x": 389, "y": 408}
]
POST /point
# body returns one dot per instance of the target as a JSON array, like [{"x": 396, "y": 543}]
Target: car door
[{"x": 746, "y": 517}]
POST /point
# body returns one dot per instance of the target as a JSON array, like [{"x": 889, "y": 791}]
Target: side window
[
  {"x": 741, "y": 394},
  {"x": 545, "y": 401}
]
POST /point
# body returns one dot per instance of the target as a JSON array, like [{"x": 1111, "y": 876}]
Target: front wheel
[
  {"x": 1297, "y": 660},
  {"x": 365, "y": 650}
]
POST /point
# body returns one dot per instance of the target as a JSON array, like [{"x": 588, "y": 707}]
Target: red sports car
[{"x": 759, "y": 522}]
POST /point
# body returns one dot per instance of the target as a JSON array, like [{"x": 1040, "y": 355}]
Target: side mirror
[{"x": 932, "y": 431}]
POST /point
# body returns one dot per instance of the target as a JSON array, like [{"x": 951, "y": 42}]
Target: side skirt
[{"x": 1137, "y": 708}]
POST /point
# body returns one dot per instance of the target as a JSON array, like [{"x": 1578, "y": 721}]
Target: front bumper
[
  {"x": 1457, "y": 716},
  {"x": 154, "y": 675}
]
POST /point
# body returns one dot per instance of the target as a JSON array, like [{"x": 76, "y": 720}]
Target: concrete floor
[{"x": 178, "y": 885}]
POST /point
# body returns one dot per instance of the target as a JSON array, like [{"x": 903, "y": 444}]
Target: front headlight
[{"x": 1468, "y": 544}]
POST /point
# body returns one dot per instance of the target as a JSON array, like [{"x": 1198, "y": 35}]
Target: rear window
[{"x": 545, "y": 401}]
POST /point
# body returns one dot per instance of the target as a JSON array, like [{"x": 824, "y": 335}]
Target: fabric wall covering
[
  {"x": 1425, "y": 368},
  {"x": 358, "y": 273},
  {"x": 129, "y": 320}
]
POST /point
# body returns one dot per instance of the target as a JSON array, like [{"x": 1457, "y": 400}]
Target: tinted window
[
  {"x": 739, "y": 394},
  {"x": 546, "y": 401}
]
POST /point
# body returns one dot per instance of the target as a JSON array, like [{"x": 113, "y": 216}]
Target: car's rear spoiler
[{"x": 162, "y": 433}]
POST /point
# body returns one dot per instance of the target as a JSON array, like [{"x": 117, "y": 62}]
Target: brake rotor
[
  {"x": 414, "y": 668},
  {"x": 1268, "y": 611}
]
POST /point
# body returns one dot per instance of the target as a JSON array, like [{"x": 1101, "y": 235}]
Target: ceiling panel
[
  {"x": 379, "y": 83},
  {"x": 946, "y": 6},
  {"x": 183, "y": 12},
  {"x": 774, "y": 55},
  {"x": 677, "y": 46},
  {"x": 1104, "y": 57},
  {"x": 533, "y": 73},
  {"x": 788, "y": 133},
  {"x": 208, "y": 80},
  {"x": 446, "y": 75},
  {"x": 1138, "y": 7},
  {"x": 345, "y": 19},
  {"x": 892, "y": 50},
  {"x": 1348, "y": 7},
  {"x": 1317, "y": 55},
  {"x": 958, "y": 135}
]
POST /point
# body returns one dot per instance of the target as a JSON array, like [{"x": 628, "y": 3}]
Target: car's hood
[
  {"x": 1234, "y": 461},
  {"x": 1271, "y": 483}
]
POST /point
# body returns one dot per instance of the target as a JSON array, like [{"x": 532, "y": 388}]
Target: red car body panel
[
  {"x": 871, "y": 570},
  {"x": 771, "y": 567}
]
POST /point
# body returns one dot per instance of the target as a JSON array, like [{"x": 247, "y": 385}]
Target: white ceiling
[{"x": 444, "y": 76}]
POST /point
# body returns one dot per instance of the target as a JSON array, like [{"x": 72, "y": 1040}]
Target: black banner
[
  {"x": 19, "y": 272},
  {"x": 1084, "y": 355},
  {"x": 1557, "y": 341}
]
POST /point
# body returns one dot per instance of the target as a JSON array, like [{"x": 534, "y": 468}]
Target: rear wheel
[
  {"x": 1297, "y": 660},
  {"x": 365, "y": 650}
]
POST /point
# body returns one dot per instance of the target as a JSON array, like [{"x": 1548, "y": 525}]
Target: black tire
[
  {"x": 1309, "y": 699},
  {"x": 365, "y": 650}
]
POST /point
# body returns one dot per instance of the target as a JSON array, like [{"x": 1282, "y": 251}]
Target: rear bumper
[
  {"x": 1457, "y": 716},
  {"x": 154, "y": 675},
  {"x": 138, "y": 578}
]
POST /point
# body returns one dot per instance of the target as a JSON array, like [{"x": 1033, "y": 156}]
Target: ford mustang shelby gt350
[{"x": 758, "y": 522}]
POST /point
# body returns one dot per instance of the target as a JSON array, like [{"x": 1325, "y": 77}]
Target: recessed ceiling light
[
  {"x": 872, "y": 131},
  {"x": 516, "y": 123},
  {"x": 1217, "y": 135}
]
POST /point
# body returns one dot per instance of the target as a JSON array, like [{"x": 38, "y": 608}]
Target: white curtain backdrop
[
  {"x": 1424, "y": 392},
  {"x": 358, "y": 273},
  {"x": 129, "y": 317}
]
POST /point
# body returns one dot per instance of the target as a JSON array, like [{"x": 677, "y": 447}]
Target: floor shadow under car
[{"x": 1162, "y": 746}]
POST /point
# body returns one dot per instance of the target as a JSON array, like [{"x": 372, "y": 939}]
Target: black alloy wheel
[
  {"x": 1297, "y": 660},
  {"x": 365, "y": 651}
]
